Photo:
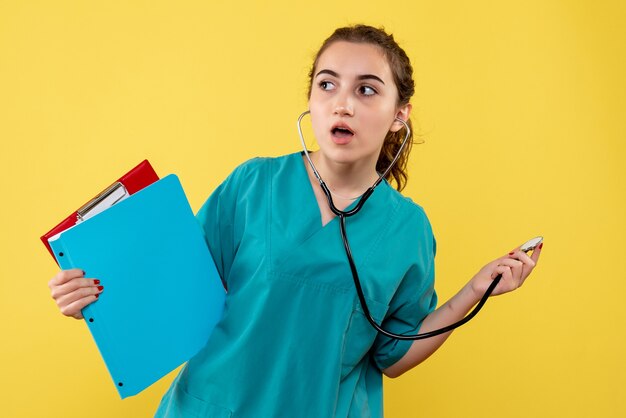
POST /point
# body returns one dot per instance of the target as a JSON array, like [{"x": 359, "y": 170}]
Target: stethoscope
[{"x": 528, "y": 246}]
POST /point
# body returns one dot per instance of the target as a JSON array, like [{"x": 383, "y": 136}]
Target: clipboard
[
  {"x": 163, "y": 295},
  {"x": 136, "y": 179}
]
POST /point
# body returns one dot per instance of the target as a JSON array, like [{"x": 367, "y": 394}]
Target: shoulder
[
  {"x": 408, "y": 210},
  {"x": 253, "y": 177},
  {"x": 413, "y": 224},
  {"x": 248, "y": 182},
  {"x": 257, "y": 167}
]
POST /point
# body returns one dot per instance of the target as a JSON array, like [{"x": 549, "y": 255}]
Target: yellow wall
[{"x": 522, "y": 108}]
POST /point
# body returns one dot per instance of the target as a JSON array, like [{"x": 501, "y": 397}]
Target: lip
[
  {"x": 341, "y": 139},
  {"x": 342, "y": 125}
]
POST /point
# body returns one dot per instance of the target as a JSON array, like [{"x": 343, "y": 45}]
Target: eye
[
  {"x": 326, "y": 85},
  {"x": 367, "y": 91}
]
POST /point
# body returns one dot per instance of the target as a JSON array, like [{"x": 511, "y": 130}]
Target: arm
[{"x": 514, "y": 268}]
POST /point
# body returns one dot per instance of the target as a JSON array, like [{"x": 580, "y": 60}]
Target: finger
[
  {"x": 83, "y": 292},
  {"x": 536, "y": 253},
  {"x": 65, "y": 276},
  {"x": 503, "y": 270},
  {"x": 72, "y": 286},
  {"x": 528, "y": 264},
  {"x": 74, "y": 309},
  {"x": 506, "y": 283},
  {"x": 517, "y": 268},
  {"x": 534, "y": 258},
  {"x": 523, "y": 257}
]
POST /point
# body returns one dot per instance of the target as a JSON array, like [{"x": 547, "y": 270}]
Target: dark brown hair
[{"x": 402, "y": 76}]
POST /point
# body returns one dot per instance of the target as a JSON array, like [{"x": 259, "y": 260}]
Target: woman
[{"x": 293, "y": 340}]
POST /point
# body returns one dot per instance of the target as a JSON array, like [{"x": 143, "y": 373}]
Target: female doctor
[{"x": 293, "y": 340}]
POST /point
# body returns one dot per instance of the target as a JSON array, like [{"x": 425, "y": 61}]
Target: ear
[{"x": 403, "y": 113}]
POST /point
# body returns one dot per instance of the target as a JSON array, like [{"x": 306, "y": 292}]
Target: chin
[{"x": 340, "y": 155}]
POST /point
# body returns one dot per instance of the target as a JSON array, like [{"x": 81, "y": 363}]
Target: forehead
[{"x": 353, "y": 59}]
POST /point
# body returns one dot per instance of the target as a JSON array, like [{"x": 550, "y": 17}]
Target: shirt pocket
[{"x": 360, "y": 334}]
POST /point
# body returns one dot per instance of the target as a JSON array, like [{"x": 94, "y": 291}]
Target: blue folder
[{"x": 162, "y": 294}]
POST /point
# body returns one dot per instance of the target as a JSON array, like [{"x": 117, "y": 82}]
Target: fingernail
[
  {"x": 511, "y": 253},
  {"x": 84, "y": 273},
  {"x": 97, "y": 295},
  {"x": 100, "y": 288},
  {"x": 96, "y": 281},
  {"x": 540, "y": 245}
]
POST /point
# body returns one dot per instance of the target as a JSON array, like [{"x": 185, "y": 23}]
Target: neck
[{"x": 345, "y": 180}]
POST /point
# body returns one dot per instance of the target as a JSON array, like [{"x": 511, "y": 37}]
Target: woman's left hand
[{"x": 514, "y": 267}]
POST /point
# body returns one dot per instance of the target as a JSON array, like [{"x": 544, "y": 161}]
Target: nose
[
  {"x": 344, "y": 110},
  {"x": 343, "y": 105}
]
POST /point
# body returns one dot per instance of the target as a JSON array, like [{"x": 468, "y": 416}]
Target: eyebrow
[{"x": 361, "y": 77}]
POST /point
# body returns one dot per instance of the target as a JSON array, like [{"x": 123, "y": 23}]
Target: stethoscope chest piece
[{"x": 531, "y": 244}]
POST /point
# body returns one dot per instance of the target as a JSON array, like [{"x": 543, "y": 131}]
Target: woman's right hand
[{"x": 72, "y": 291}]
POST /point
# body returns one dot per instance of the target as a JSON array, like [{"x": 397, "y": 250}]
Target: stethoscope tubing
[
  {"x": 346, "y": 244},
  {"x": 421, "y": 336}
]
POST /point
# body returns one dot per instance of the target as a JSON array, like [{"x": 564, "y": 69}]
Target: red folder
[{"x": 136, "y": 179}]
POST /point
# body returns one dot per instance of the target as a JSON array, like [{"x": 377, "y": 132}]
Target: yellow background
[{"x": 521, "y": 106}]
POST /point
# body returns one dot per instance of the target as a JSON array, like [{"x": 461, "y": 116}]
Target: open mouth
[{"x": 342, "y": 132}]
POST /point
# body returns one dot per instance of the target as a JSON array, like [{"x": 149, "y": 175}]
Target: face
[{"x": 354, "y": 103}]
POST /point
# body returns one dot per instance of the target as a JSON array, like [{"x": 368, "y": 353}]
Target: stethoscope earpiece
[{"x": 319, "y": 178}]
